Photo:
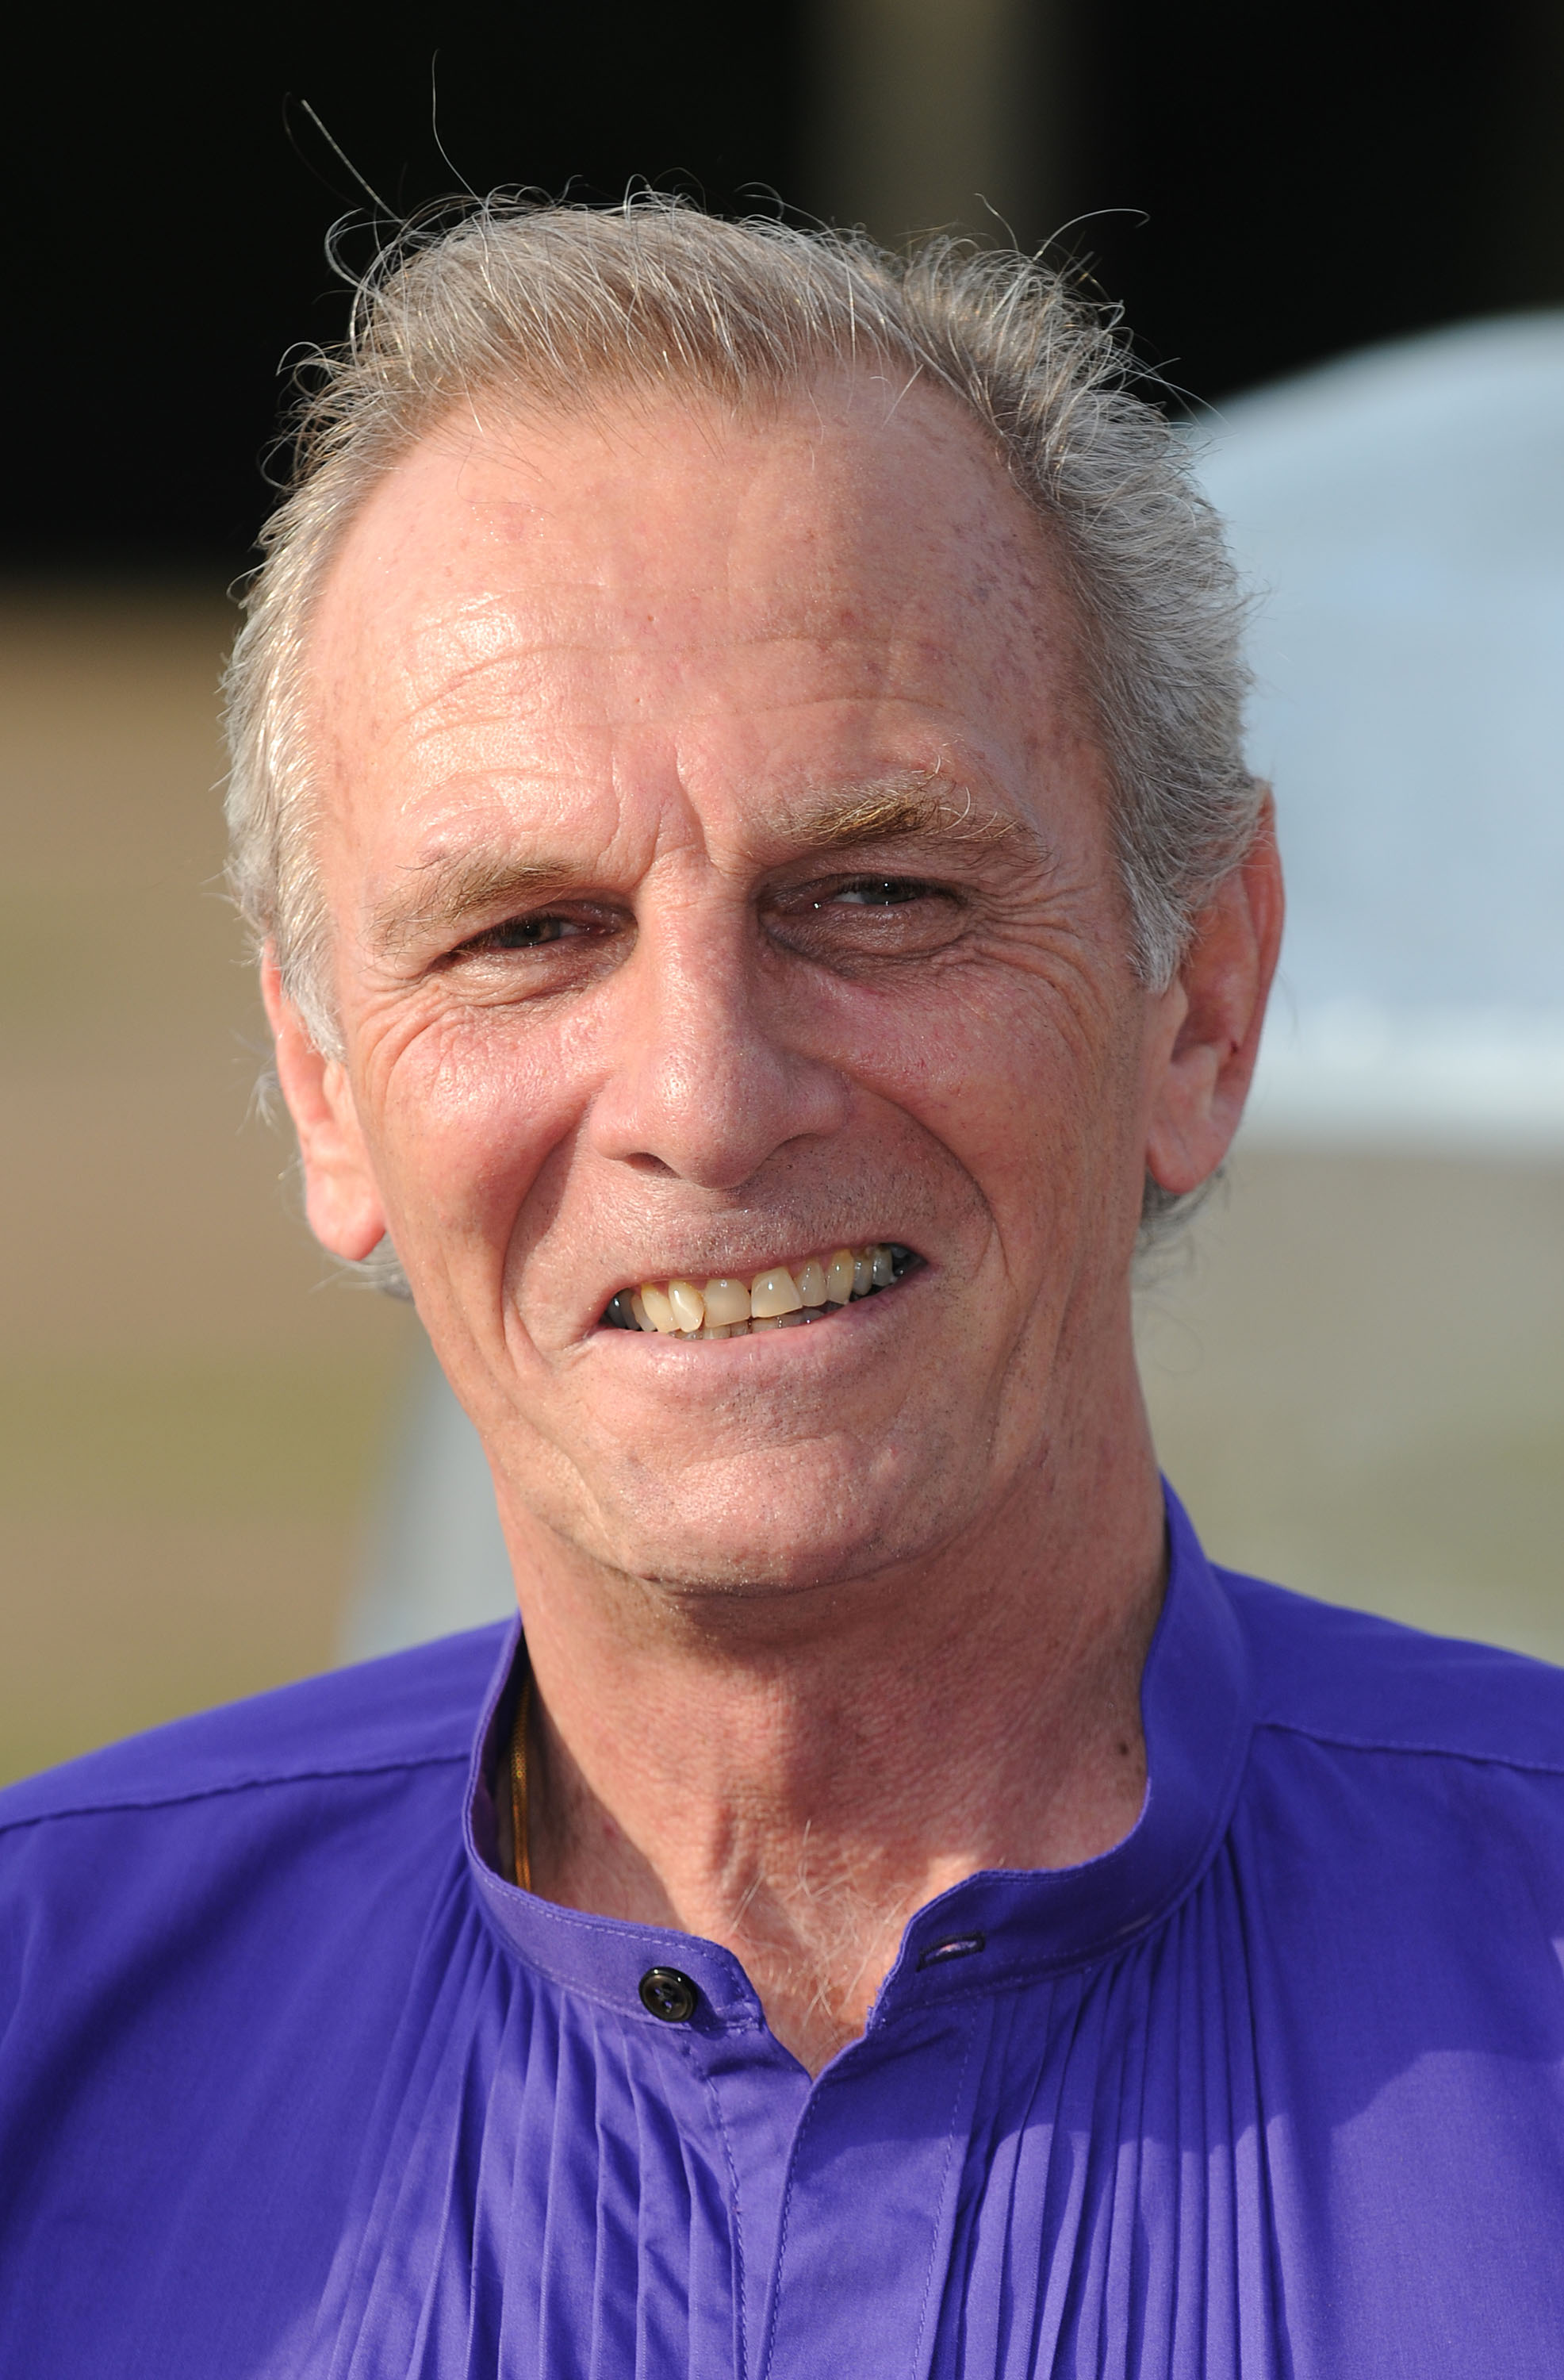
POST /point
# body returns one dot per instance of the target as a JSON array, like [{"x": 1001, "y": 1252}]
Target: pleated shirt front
[{"x": 293, "y": 2083}]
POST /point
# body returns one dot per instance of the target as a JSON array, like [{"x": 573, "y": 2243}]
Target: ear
[
  {"x": 340, "y": 1195},
  {"x": 1208, "y": 1035}
]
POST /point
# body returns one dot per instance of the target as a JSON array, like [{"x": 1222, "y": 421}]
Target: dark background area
[
  {"x": 1314, "y": 178},
  {"x": 170, "y": 201},
  {"x": 1263, "y": 187}
]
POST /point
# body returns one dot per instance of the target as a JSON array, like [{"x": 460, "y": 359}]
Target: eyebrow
[
  {"x": 452, "y": 888},
  {"x": 914, "y": 809}
]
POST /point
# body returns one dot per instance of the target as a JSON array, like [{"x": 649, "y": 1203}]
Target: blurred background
[{"x": 1338, "y": 233}]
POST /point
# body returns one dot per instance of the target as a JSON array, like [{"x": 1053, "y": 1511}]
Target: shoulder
[
  {"x": 1347, "y": 1679},
  {"x": 416, "y": 1710}
]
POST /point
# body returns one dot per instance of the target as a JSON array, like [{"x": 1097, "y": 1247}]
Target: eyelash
[
  {"x": 496, "y": 939},
  {"x": 900, "y": 890},
  {"x": 510, "y": 936}
]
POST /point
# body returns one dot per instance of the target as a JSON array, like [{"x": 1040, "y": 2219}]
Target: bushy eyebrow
[
  {"x": 453, "y": 888},
  {"x": 914, "y": 809}
]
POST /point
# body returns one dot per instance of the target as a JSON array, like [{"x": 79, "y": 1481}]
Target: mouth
[{"x": 779, "y": 1297}]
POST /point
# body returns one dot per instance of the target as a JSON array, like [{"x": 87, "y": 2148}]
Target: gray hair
[{"x": 558, "y": 306}]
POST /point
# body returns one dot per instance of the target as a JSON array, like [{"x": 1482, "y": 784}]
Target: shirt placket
[{"x": 866, "y": 2213}]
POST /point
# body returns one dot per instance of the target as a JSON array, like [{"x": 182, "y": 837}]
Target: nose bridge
[{"x": 704, "y": 1079}]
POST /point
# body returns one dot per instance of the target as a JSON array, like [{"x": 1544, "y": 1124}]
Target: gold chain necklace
[{"x": 521, "y": 1857}]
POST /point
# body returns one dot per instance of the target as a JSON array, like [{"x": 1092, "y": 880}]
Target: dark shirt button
[{"x": 667, "y": 1994}]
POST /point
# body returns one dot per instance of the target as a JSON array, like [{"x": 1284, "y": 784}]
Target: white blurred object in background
[
  {"x": 437, "y": 1560},
  {"x": 1402, "y": 515}
]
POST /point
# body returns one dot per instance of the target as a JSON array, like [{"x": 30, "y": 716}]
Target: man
[{"x": 737, "y": 784}]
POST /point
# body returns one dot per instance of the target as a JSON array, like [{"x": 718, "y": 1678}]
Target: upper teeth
[{"x": 724, "y": 1308}]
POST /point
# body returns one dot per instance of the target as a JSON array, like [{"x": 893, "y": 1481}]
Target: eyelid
[
  {"x": 820, "y": 889},
  {"x": 586, "y": 913}
]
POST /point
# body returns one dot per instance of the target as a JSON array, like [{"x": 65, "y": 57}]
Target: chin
[
  {"x": 773, "y": 1534},
  {"x": 757, "y": 1518},
  {"x": 776, "y": 1566}
]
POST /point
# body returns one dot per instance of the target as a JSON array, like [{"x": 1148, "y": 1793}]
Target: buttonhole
[{"x": 960, "y": 1946}]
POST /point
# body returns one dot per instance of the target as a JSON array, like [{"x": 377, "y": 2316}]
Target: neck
[{"x": 794, "y": 1774}]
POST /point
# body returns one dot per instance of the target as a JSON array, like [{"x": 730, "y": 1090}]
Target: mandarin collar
[{"x": 997, "y": 1927}]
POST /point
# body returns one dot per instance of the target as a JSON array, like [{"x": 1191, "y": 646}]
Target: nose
[{"x": 707, "y": 1079}]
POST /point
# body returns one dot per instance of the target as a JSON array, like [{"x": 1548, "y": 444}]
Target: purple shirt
[{"x": 291, "y": 2083}]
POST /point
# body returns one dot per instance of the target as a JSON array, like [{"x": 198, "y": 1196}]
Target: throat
[
  {"x": 798, "y": 1803},
  {"x": 814, "y": 1930}
]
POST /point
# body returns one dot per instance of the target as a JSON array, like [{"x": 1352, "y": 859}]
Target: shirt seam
[
  {"x": 703, "y": 2076},
  {"x": 1345, "y": 1742},
  {"x": 806, "y": 2122},
  {"x": 109, "y": 1803},
  {"x": 920, "y": 2363}
]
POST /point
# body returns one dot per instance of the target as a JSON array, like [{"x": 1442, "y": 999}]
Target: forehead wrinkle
[{"x": 582, "y": 682}]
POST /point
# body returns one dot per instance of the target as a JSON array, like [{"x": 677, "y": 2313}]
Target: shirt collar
[{"x": 1000, "y": 1926}]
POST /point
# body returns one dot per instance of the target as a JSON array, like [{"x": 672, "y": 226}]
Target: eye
[
  {"x": 527, "y": 933},
  {"x": 867, "y": 919},
  {"x": 538, "y": 953},
  {"x": 531, "y": 933}
]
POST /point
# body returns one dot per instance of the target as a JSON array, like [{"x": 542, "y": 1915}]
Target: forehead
[{"x": 842, "y": 564}]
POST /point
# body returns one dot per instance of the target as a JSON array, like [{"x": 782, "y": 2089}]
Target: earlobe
[
  {"x": 1210, "y": 1020},
  {"x": 340, "y": 1194}
]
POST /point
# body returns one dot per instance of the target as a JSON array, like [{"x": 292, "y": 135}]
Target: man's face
[{"x": 720, "y": 856}]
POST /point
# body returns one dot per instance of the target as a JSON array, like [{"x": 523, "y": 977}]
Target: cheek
[
  {"x": 466, "y": 1111},
  {"x": 1030, "y": 1081}
]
